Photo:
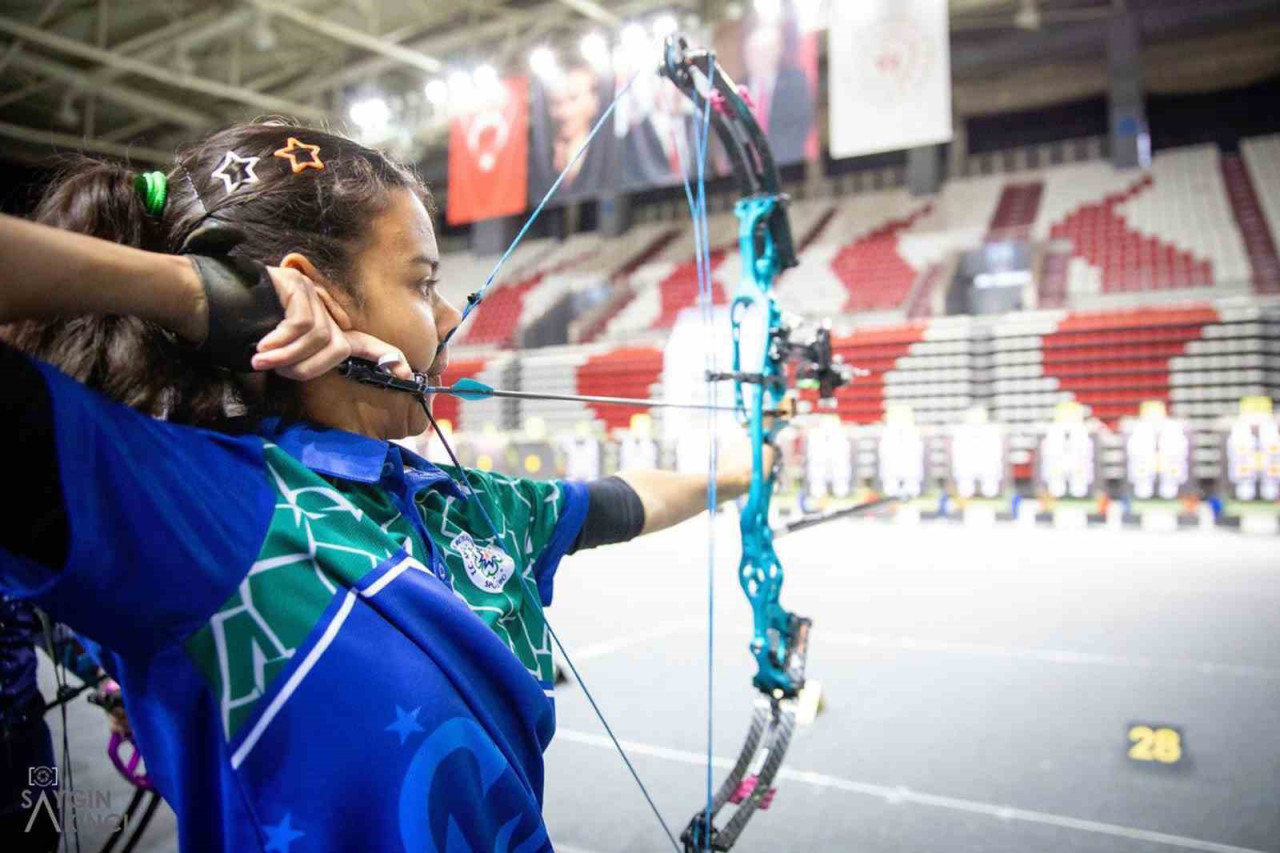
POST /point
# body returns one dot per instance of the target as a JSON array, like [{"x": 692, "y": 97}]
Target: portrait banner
[
  {"x": 654, "y": 126},
  {"x": 775, "y": 57},
  {"x": 564, "y": 107}
]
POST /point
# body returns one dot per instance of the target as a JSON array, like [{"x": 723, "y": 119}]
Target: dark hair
[{"x": 321, "y": 213}]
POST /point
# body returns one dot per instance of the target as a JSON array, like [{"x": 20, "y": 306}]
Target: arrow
[{"x": 471, "y": 389}]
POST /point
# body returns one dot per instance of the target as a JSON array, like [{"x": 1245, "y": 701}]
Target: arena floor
[{"x": 979, "y": 686}]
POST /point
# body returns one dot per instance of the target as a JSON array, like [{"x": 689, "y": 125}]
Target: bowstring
[
  {"x": 493, "y": 532},
  {"x": 706, "y": 302},
  {"x": 476, "y": 298},
  {"x": 66, "y": 791}
]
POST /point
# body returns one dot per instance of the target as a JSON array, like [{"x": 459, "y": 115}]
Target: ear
[{"x": 332, "y": 302}]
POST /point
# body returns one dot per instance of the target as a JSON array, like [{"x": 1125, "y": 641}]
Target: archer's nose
[{"x": 447, "y": 319}]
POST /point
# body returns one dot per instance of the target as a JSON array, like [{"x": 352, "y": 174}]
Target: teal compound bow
[
  {"x": 789, "y": 353},
  {"x": 780, "y": 639}
]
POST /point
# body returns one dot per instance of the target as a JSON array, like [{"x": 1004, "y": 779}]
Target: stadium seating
[
  {"x": 474, "y": 415},
  {"x": 628, "y": 371},
  {"x": 1253, "y": 181},
  {"x": 929, "y": 366},
  {"x": 1197, "y": 224},
  {"x": 1016, "y": 211},
  {"x": 1200, "y": 360},
  {"x": 1170, "y": 228},
  {"x": 873, "y": 270},
  {"x": 538, "y": 274}
]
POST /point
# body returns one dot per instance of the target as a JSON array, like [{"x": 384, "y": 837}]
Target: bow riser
[{"x": 760, "y": 572}]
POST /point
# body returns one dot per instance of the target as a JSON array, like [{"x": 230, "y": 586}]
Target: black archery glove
[{"x": 243, "y": 306}]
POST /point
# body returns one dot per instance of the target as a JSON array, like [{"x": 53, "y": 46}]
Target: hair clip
[
  {"x": 153, "y": 189},
  {"x": 290, "y": 153},
  {"x": 186, "y": 176},
  {"x": 235, "y": 171}
]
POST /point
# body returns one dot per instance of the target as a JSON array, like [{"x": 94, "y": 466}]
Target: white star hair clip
[{"x": 235, "y": 171}]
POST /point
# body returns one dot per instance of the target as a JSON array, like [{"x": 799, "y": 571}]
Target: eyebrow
[{"x": 423, "y": 260}]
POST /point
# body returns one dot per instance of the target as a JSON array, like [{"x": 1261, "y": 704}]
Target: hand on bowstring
[{"x": 317, "y": 334}]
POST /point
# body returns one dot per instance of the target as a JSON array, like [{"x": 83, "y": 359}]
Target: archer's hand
[
  {"x": 311, "y": 340},
  {"x": 735, "y": 466}
]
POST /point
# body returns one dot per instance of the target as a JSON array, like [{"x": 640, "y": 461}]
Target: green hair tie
[{"x": 153, "y": 189}]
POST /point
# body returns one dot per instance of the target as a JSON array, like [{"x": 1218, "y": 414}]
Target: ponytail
[
  {"x": 100, "y": 199},
  {"x": 135, "y": 362}
]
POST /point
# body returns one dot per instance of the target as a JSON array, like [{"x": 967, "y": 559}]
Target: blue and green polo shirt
[{"x": 321, "y": 644}]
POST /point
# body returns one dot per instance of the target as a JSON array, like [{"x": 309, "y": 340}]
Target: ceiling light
[
  {"x": 543, "y": 62},
  {"x": 635, "y": 48},
  {"x": 1027, "y": 16},
  {"x": 811, "y": 15},
  {"x": 371, "y": 114},
  {"x": 769, "y": 10},
  {"x": 461, "y": 86},
  {"x": 486, "y": 79},
  {"x": 595, "y": 50},
  {"x": 68, "y": 115},
  {"x": 437, "y": 91},
  {"x": 632, "y": 35},
  {"x": 665, "y": 25},
  {"x": 262, "y": 35}
]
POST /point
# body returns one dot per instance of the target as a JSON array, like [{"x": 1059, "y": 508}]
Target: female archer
[{"x": 322, "y": 642}]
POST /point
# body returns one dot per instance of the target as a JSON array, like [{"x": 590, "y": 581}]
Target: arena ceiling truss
[{"x": 136, "y": 77}]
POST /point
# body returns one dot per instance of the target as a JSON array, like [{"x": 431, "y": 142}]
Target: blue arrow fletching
[{"x": 470, "y": 389}]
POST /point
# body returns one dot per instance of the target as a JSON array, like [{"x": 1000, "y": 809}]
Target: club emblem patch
[{"x": 487, "y": 565}]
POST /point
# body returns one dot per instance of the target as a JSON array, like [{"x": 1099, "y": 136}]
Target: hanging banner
[
  {"x": 653, "y": 124},
  {"x": 564, "y": 107},
  {"x": 890, "y": 75},
  {"x": 488, "y": 154},
  {"x": 775, "y": 56}
]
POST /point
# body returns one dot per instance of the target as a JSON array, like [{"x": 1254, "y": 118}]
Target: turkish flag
[{"x": 489, "y": 155}]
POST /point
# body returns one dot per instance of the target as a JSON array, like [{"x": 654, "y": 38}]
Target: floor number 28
[{"x": 1162, "y": 745}]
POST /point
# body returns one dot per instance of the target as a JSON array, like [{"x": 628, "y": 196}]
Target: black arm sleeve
[
  {"x": 614, "y": 514},
  {"x": 36, "y": 525}
]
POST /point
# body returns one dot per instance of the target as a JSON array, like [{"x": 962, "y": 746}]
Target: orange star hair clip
[{"x": 291, "y": 153}]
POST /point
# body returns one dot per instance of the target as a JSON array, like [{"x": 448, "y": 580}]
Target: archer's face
[{"x": 397, "y": 270}]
